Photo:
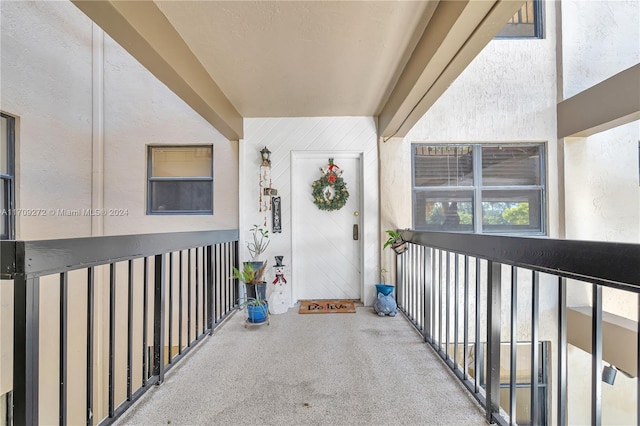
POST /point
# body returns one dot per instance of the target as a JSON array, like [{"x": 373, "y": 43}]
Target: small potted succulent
[
  {"x": 397, "y": 243},
  {"x": 256, "y": 303}
]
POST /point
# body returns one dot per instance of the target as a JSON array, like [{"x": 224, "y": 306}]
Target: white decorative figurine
[{"x": 278, "y": 303}]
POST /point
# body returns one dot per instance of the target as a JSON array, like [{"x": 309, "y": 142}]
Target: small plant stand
[{"x": 247, "y": 323}]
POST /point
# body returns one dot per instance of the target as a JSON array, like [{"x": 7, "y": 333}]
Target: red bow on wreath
[{"x": 331, "y": 165}]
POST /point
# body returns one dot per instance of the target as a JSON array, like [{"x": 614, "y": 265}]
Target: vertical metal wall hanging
[
  {"x": 265, "y": 180},
  {"x": 276, "y": 215}
]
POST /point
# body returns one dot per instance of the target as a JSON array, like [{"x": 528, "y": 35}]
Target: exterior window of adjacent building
[
  {"x": 7, "y": 176},
  {"x": 180, "y": 179},
  {"x": 481, "y": 188},
  {"x": 526, "y": 23}
]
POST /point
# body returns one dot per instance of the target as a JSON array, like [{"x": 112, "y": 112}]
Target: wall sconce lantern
[{"x": 266, "y": 157}]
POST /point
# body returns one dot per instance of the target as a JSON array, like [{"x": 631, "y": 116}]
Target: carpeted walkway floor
[{"x": 337, "y": 369}]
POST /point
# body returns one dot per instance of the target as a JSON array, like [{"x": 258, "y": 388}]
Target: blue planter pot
[
  {"x": 258, "y": 313},
  {"x": 385, "y": 289}
]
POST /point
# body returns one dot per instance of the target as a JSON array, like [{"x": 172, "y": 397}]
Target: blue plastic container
[
  {"x": 257, "y": 313},
  {"x": 385, "y": 289}
]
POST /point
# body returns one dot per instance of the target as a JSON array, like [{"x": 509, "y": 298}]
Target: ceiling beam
[
  {"x": 456, "y": 33},
  {"x": 610, "y": 103},
  {"x": 144, "y": 31}
]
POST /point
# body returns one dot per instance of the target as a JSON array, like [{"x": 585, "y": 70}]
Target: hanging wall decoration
[
  {"x": 276, "y": 222},
  {"x": 265, "y": 181},
  {"x": 330, "y": 191}
]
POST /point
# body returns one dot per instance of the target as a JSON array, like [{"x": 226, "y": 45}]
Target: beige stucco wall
[
  {"x": 68, "y": 88},
  {"x": 140, "y": 110},
  {"x": 85, "y": 111},
  {"x": 46, "y": 84}
]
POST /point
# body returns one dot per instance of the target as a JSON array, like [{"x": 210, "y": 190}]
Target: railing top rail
[
  {"x": 610, "y": 264},
  {"x": 43, "y": 257}
]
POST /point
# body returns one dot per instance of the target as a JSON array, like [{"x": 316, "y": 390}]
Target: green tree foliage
[{"x": 517, "y": 215}]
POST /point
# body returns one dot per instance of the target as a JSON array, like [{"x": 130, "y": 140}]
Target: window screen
[
  {"x": 180, "y": 180},
  {"x": 478, "y": 188}
]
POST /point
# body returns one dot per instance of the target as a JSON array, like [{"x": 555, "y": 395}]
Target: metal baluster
[
  {"x": 535, "y": 300},
  {"x": 170, "y": 295},
  {"x": 129, "y": 330},
  {"x": 145, "y": 321},
  {"x": 465, "y": 359},
  {"x": 562, "y": 351},
  {"x": 476, "y": 346},
  {"x": 90, "y": 342},
  {"x": 439, "y": 302},
  {"x": 447, "y": 307},
  {"x": 494, "y": 305},
  {"x": 596, "y": 356},
  {"x": 158, "y": 316},
  {"x": 189, "y": 298},
  {"x": 180, "y": 303},
  {"x": 455, "y": 312},
  {"x": 64, "y": 333},
  {"x": 197, "y": 303},
  {"x": 26, "y": 349},
  {"x": 112, "y": 337},
  {"x": 210, "y": 291},
  {"x": 513, "y": 345}
]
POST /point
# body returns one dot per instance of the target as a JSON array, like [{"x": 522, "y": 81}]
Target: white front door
[{"x": 326, "y": 259}]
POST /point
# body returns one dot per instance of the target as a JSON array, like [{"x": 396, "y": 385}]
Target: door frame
[{"x": 295, "y": 184}]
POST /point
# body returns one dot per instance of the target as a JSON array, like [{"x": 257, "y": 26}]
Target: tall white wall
[
  {"x": 599, "y": 40},
  {"x": 284, "y": 135}
]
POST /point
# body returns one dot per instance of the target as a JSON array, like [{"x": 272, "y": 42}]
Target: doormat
[{"x": 327, "y": 307}]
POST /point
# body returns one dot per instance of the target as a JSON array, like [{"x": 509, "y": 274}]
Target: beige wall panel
[
  {"x": 46, "y": 83},
  {"x": 140, "y": 110}
]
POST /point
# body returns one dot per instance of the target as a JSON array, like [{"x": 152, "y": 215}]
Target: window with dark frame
[
  {"x": 479, "y": 188},
  {"x": 180, "y": 179},
  {"x": 7, "y": 177},
  {"x": 525, "y": 23}
]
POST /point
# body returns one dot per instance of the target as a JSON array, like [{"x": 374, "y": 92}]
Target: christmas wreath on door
[{"x": 330, "y": 191}]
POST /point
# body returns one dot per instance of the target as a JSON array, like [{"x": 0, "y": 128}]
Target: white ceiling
[{"x": 234, "y": 59}]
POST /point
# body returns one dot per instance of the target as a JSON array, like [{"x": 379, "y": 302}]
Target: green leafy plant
[
  {"x": 394, "y": 237},
  {"x": 248, "y": 275},
  {"x": 397, "y": 243},
  {"x": 260, "y": 241}
]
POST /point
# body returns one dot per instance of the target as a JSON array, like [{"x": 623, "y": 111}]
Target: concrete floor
[{"x": 326, "y": 369}]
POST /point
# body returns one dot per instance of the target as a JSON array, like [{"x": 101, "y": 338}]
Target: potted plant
[
  {"x": 256, "y": 303},
  {"x": 397, "y": 243},
  {"x": 260, "y": 241},
  {"x": 384, "y": 288}
]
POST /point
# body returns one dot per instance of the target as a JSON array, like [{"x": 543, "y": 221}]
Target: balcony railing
[
  {"x": 496, "y": 310},
  {"x": 120, "y": 311}
]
